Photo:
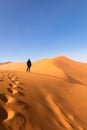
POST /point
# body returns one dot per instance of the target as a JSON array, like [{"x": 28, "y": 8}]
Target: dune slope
[{"x": 53, "y": 96}]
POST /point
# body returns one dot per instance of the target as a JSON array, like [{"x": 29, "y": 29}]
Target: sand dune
[{"x": 53, "y": 96}]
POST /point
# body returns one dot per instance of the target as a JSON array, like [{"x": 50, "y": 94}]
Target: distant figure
[{"x": 28, "y": 65}]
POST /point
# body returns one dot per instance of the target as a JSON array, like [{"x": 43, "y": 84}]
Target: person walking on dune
[{"x": 28, "y": 65}]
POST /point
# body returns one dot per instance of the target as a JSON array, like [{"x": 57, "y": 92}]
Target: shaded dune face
[
  {"x": 74, "y": 71},
  {"x": 68, "y": 65}
]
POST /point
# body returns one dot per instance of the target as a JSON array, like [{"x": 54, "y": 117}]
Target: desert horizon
[{"x": 52, "y": 96}]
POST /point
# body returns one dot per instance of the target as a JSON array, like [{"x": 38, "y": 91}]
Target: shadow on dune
[
  {"x": 74, "y": 80},
  {"x": 52, "y": 76},
  {"x": 68, "y": 78}
]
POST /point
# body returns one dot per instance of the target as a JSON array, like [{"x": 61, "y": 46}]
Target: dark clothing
[{"x": 28, "y": 65}]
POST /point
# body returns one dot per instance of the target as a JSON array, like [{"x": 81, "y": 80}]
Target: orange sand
[{"x": 53, "y": 96}]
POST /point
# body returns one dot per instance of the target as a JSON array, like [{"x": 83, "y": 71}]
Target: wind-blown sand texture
[{"x": 53, "y": 96}]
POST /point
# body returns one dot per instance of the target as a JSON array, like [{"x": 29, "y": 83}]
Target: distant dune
[
  {"x": 53, "y": 96},
  {"x": 19, "y": 66},
  {"x": 2, "y": 63}
]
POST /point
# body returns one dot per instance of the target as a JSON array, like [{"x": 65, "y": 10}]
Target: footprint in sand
[
  {"x": 17, "y": 82},
  {"x": 22, "y": 104},
  {"x": 20, "y": 88},
  {"x": 21, "y": 93},
  {"x": 19, "y": 121},
  {"x": 3, "y": 97},
  {"x": 3, "y": 114},
  {"x": 12, "y": 74},
  {"x": 6, "y": 98},
  {"x": 9, "y": 77},
  {"x": 14, "y": 91},
  {"x": 14, "y": 80},
  {"x": 10, "y": 114},
  {"x": 12, "y": 77},
  {"x": 8, "y": 103},
  {"x": 15, "y": 86}
]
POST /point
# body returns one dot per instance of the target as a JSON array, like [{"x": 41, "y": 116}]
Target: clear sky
[{"x": 43, "y": 28}]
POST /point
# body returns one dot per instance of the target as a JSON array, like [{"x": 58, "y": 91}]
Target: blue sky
[{"x": 43, "y": 28}]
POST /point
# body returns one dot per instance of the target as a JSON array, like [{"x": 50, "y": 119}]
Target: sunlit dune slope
[
  {"x": 53, "y": 96},
  {"x": 60, "y": 65},
  {"x": 44, "y": 66}
]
